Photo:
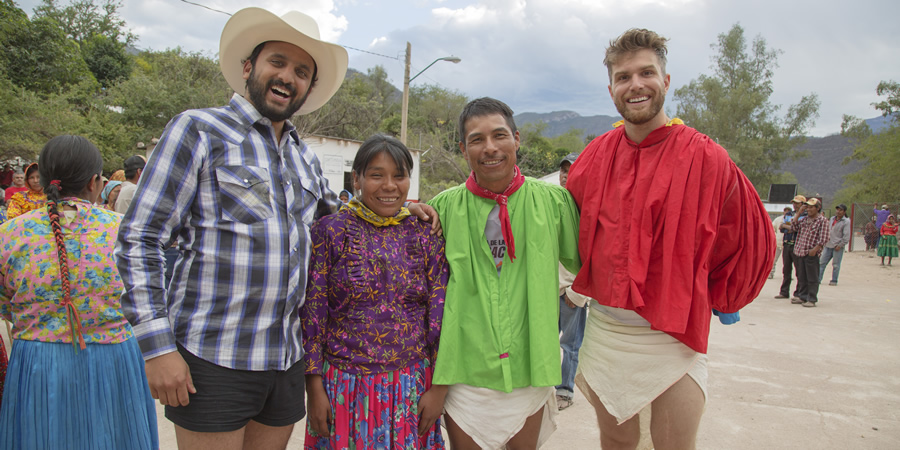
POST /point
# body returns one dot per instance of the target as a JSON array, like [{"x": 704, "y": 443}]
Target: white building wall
[{"x": 336, "y": 156}]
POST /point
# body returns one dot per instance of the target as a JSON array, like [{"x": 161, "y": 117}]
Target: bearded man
[{"x": 236, "y": 190}]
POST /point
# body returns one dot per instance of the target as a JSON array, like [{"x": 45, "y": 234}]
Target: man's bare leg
[
  {"x": 253, "y": 436},
  {"x": 675, "y": 416},
  {"x": 459, "y": 440},
  {"x": 194, "y": 440},
  {"x": 264, "y": 437},
  {"x": 612, "y": 435},
  {"x": 527, "y": 437}
]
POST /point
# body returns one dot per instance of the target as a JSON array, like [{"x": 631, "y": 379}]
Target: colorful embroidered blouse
[
  {"x": 375, "y": 295},
  {"x": 30, "y": 290},
  {"x": 23, "y": 202}
]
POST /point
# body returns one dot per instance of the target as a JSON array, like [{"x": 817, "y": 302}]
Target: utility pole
[{"x": 404, "y": 114}]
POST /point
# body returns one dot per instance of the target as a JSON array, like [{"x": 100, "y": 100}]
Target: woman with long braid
[{"x": 76, "y": 376}]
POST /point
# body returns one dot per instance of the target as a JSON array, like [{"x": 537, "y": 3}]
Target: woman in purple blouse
[{"x": 372, "y": 317}]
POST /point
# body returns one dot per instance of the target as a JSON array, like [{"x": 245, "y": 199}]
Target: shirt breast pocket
[
  {"x": 309, "y": 200},
  {"x": 244, "y": 193}
]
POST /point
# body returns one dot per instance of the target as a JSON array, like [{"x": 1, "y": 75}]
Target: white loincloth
[
  {"x": 491, "y": 418},
  {"x": 629, "y": 366}
]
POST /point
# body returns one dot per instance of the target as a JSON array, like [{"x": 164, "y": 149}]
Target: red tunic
[{"x": 670, "y": 228}]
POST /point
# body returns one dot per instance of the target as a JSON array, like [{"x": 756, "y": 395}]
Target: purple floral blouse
[{"x": 375, "y": 295}]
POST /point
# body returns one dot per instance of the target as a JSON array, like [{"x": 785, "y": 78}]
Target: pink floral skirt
[
  {"x": 377, "y": 411},
  {"x": 3, "y": 362}
]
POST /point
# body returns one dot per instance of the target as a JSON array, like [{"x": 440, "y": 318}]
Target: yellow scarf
[
  {"x": 368, "y": 215},
  {"x": 673, "y": 121}
]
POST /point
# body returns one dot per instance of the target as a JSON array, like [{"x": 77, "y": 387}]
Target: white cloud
[
  {"x": 160, "y": 23},
  {"x": 545, "y": 55}
]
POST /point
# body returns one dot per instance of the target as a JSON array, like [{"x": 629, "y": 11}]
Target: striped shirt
[{"x": 240, "y": 209}]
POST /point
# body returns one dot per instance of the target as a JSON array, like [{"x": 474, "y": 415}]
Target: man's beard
[
  {"x": 258, "y": 98},
  {"x": 640, "y": 117}
]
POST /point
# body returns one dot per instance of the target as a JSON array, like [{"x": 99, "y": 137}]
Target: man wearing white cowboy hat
[{"x": 237, "y": 190}]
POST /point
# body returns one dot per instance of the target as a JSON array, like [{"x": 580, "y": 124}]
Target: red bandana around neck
[{"x": 501, "y": 199}]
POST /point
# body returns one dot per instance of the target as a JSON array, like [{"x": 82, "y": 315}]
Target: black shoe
[{"x": 781, "y": 296}]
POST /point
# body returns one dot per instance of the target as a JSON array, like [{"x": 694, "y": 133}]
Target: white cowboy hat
[{"x": 250, "y": 27}]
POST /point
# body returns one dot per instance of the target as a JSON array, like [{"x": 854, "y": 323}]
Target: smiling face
[
  {"x": 812, "y": 210},
  {"x": 489, "y": 147},
  {"x": 278, "y": 81},
  {"x": 638, "y": 88},
  {"x": 383, "y": 186}
]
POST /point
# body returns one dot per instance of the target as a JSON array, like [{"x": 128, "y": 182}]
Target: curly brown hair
[{"x": 633, "y": 40}]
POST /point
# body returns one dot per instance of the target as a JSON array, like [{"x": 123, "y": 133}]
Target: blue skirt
[{"x": 95, "y": 399}]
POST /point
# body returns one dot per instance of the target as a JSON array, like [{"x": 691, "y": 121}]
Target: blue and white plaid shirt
[{"x": 239, "y": 207}]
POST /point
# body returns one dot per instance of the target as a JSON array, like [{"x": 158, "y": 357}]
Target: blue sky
[{"x": 546, "y": 55}]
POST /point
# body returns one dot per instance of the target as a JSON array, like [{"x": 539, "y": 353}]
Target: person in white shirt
[
  {"x": 134, "y": 166},
  {"x": 779, "y": 242}
]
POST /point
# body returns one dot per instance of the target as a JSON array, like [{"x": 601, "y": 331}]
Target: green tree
[
  {"x": 83, "y": 19},
  {"x": 106, "y": 58},
  {"x": 355, "y": 112},
  {"x": 100, "y": 32},
  {"x": 163, "y": 84},
  {"x": 389, "y": 95},
  {"x": 539, "y": 155},
  {"x": 879, "y": 178},
  {"x": 536, "y": 153},
  {"x": 892, "y": 104},
  {"x": 732, "y": 106},
  {"x": 434, "y": 128},
  {"x": 30, "y": 119},
  {"x": 36, "y": 54}
]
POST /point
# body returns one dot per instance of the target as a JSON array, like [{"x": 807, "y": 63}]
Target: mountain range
[{"x": 559, "y": 122}]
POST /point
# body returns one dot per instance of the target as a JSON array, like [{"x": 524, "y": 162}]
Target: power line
[
  {"x": 345, "y": 46},
  {"x": 207, "y": 7},
  {"x": 372, "y": 53}
]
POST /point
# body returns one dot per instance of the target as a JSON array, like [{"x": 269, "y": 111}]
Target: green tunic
[{"x": 501, "y": 331}]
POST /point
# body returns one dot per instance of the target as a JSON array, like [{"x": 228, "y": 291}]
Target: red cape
[{"x": 670, "y": 228}]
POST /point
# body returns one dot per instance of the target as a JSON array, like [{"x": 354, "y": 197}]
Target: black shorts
[{"x": 227, "y": 399}]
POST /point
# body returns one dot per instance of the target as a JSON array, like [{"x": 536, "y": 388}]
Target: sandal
[{"x": 564, "y": 402}]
